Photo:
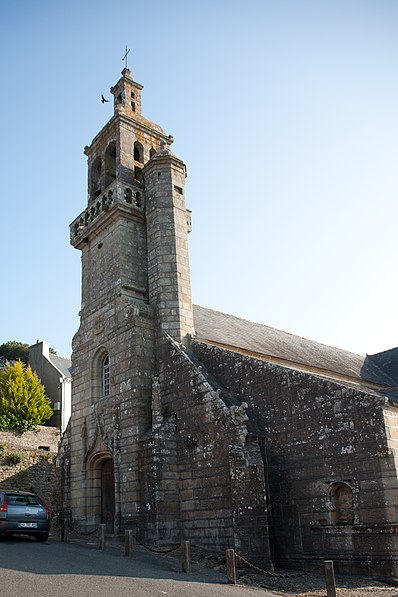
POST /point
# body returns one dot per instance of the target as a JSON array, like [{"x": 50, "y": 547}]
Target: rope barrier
[
  {"x": 277, "y": 574},
  {"x": 156, "y": 550},
  {"x": 176, "y": 547},
  {"x": 152, "y": 549},
  {"x": 84, "y": 534}
]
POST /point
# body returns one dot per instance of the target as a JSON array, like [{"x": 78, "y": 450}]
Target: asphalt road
[{"x": 55, "y": 569}]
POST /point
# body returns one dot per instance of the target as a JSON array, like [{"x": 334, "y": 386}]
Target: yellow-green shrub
[{"x": 23, "y": 403}]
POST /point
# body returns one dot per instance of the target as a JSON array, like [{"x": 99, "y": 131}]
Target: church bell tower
[
  {"x": 133, "y": 233},
  {"x": 135, "y": 287}
]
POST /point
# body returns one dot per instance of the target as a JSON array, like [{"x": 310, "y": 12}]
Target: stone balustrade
[{"x": 115, "y": 194}]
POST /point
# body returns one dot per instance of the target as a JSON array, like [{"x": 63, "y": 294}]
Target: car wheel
[{"x": 41, "y": 537}]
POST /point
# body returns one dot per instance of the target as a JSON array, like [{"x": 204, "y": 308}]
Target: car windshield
[{"x": 23, "y": 500}]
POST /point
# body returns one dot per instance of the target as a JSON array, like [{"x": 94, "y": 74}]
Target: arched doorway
[{"x": 108, "y": 495}]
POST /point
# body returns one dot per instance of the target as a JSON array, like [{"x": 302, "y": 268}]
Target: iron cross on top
[{"x": 125, "y": 57}]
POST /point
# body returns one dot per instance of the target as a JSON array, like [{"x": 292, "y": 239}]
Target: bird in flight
[{"x": 103, "y": 100}]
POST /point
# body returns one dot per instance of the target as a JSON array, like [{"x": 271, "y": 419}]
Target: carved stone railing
[{"x": 115, "y": 193}]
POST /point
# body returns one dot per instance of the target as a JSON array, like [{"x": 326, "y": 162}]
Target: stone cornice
[
  {"x": 333, "y": 376},
  {"x": 143, "y": 124},
  {"x": 137, "y": 121},
  {"x": 127, "y": 79},
  {"x": 162, "y": 157}
]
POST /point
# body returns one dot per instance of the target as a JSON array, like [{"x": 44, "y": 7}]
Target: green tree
[
  {"x": 23, "y": 404},
  {"x": 12, "y": 351}
]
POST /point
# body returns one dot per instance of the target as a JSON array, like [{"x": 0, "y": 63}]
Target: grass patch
[{"x": 14, "y": 458}]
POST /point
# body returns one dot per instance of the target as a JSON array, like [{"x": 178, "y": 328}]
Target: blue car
[{"x": 23, "y": 513}]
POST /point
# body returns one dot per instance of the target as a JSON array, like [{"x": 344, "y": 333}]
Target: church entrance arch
[{"x": 101, "y": 490}]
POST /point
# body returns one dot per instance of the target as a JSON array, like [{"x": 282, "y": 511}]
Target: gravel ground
[
  {"x": 313, "y": 585},
  {"x": 290, "y": 584}
]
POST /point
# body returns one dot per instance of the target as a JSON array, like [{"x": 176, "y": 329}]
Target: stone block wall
[
  {"x": 110, "y": 426},
  {"x": 159, "y": 518},
  {"x": 35, "y": 471},
  {"x": 221, "y": 484},
  {"x": 318, "y": 435},
  {"x": 167, "y": 233}
]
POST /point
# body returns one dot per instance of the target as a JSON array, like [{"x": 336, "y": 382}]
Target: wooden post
[
  {"x": 329, "y": 577},
  {"x": 101, "y": 536},
  {"x": 231, "y": 566},
  {"x": 185, "y": 557},
  {"x": 65, "y": 530},
  {"x": 128, "y": 543},
  {"x": 62, "y": 527}
]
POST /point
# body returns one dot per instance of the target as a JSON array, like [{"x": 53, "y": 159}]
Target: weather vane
[{"x": 125, "y": 57}]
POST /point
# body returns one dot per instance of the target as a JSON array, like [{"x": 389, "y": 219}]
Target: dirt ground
[
  {"x": 295, "y": 584},
  {"x": 313, "y": 585}
]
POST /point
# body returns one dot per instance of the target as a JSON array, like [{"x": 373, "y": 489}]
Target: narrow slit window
[{"x": 105, "y": 376}]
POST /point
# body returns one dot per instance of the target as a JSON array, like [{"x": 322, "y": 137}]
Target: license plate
[{"x": 27, "y": 525}]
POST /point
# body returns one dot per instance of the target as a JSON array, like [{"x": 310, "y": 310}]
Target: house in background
[{"x": 55, "y": 373}]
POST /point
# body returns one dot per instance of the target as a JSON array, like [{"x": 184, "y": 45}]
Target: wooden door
[{"x": 108, "y": 495}]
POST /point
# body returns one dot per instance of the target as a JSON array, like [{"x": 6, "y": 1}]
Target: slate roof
[
  {"x": 231, "y": 331},
  {"x": 387, "y": 363},
  {"x": 62, "y": 364}
]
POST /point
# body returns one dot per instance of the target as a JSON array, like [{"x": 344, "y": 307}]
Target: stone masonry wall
[
  {"x": 317, "y": 434},
  {"x": 159, "y": 519},
  {"x": 168, "y": 257},
  {"x": 220, "y": 481},
  {"x": 26, "y": 463},
  {"x": 110, "y": 426}
]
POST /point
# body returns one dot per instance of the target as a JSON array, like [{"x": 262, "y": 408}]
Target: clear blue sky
[{"x": 286, "y": 114}]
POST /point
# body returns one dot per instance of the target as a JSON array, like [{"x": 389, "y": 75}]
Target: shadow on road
[{"x": 24, "y": 554}]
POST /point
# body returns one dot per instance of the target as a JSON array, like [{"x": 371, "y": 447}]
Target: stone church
[{"x": 191, "y": 424}]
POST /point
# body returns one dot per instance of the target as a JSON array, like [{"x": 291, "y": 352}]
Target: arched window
[
  {"x": 110, "y": 164},
  {"x": 152, "y": 152},
  {"x": 100, "y": 373},
  {"x": 105, "y": 376},
  {"x": 138, "y": 152},
  {"x": 341, "y": 500},
  {"x": 95, "y": 179}
]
